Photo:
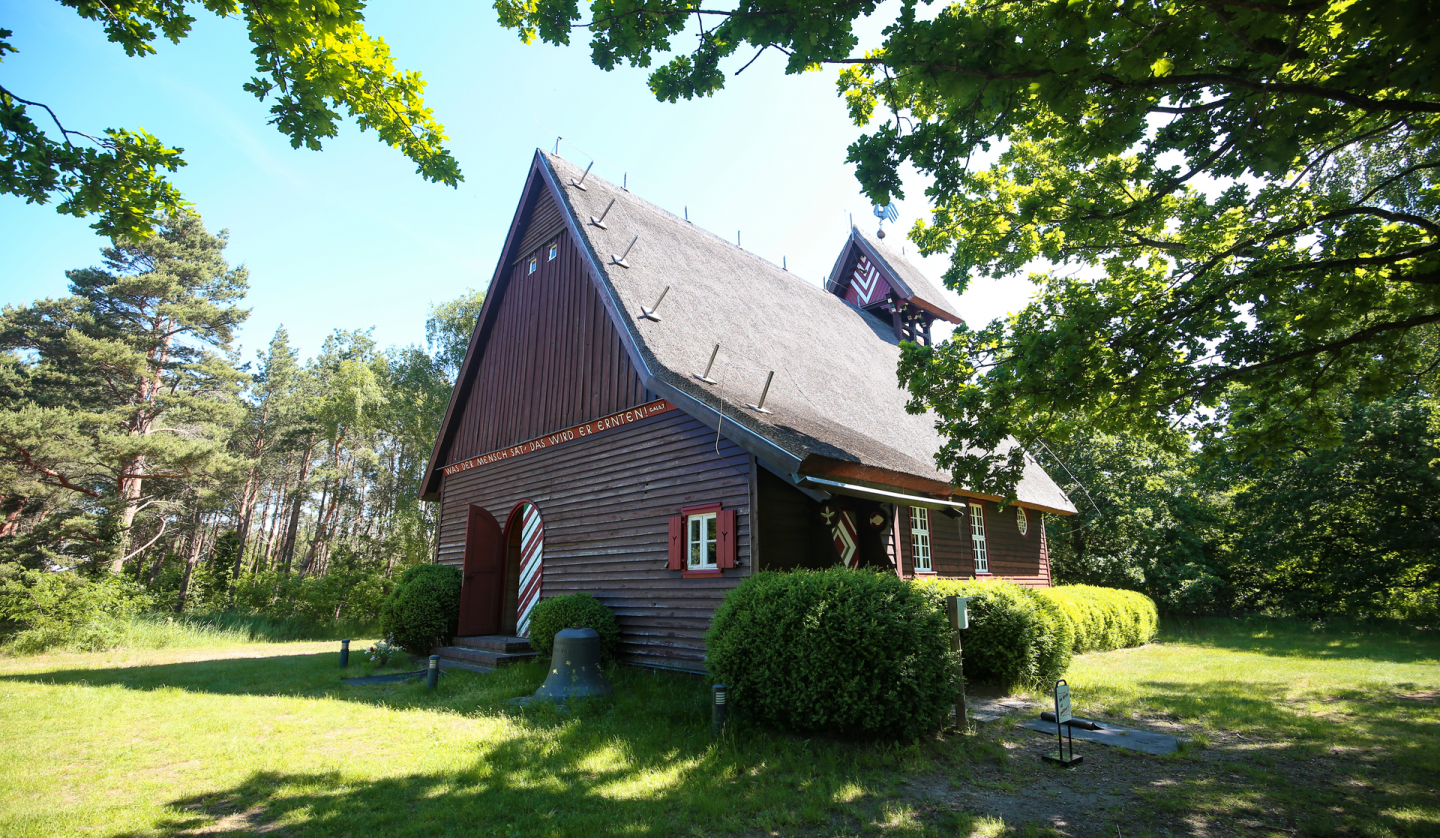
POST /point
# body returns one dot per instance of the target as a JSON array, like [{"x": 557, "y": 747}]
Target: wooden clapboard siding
[
  {"x": 1014, "y": 556},
  {"x": 545, "y": 222},
  {"x": 553, "y": 358},
  {"x": 606, "y": 501},
  {"x": 950, "y": 552},
  {"x": 1021, "y": 559}
]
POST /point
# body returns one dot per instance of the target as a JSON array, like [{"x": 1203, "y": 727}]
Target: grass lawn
[{"x": 1295, "y": 732}]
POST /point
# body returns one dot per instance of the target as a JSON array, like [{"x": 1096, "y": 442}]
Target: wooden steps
[{"x": 485, "y": 654}]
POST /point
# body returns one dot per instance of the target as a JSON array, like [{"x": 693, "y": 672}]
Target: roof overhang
[{"x": 856, "y": 490}]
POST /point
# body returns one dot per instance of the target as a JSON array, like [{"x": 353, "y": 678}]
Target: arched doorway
[
  {"x": 483, "y": 584},
  {"x": 524, "y": 567}
]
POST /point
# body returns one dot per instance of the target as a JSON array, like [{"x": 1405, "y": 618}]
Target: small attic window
[
  {"x": 554, "y": 249},
  {"x": 534, "y": 263}
]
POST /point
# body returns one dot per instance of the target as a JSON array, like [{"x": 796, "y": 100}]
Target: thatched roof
[{"x": 835, "y": 405}]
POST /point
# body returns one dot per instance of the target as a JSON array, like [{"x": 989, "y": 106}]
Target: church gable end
[{"x": 549, "y": 356}]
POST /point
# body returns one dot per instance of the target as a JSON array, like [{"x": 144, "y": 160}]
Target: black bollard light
[
  {"x": 344, "y": 653},
  {"x": 717, "y": 711},
  {"x": 433, "y": 676}
]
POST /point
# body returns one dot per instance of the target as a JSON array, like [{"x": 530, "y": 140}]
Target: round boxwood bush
[
  {"x": 1015, "y": 638},
  {"x": 424, "y": 608},
  {"x": 833, "y": 651},
  {"x": 573, "y": 611}
]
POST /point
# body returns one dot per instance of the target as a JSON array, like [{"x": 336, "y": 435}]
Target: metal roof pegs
[
  {"x": 759, "y": 407},
  {"x": 580, "y": 184},
  {"x": 599, "y": 222},
  {"x": 649, "y": 313},
  {"x": 705, "y": 377},
  {"x": 620, "y": 260}
]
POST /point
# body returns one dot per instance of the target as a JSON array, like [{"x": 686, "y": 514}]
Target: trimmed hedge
[
  {"x": 1104, "y": 618},
  {"x": 833, "y": 651},
  {"x": 1015, "y": 637},
  {"x": 553, "y": 615},
  {"x": 424, "y": 609}
]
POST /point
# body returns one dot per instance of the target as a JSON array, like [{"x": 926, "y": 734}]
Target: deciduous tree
[{"x": 312, "y": 60}]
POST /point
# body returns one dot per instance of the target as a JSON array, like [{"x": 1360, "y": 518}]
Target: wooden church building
[{"x": 650, "y": 414}]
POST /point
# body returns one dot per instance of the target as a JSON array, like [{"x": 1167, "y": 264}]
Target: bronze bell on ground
[{"x": 574, "y": 667}]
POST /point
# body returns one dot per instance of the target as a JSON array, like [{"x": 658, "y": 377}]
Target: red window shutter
[
  {"x": 677, "y": 543},
  {"x": 725, "y": 538}
]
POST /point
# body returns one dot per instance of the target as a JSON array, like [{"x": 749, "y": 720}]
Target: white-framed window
[
  {"x": 977, "y": 536},
  {"x": 534, "y": 263},
  {"x": 554, "y": 250},
  {"x": 920, "y": 538},
  {"x": 1022, "y": 521},
  {"x": 700, "y": 541}
]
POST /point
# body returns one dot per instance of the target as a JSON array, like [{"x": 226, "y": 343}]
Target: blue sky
[{"x": 351, "y": 237}]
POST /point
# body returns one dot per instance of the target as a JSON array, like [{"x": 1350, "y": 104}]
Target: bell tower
[{"x": 871, "y": 276}]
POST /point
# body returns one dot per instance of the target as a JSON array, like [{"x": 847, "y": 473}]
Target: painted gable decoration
[
  {"x": 867, "y": 285},
  {"x": 873, "y": 277}
]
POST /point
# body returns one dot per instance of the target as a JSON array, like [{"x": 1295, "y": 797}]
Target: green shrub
[
  {"x": 573, "y": 611},
  {"x": 1015, "y": 637},
  {"x": 424, "y": 608},
  {"x": 833, "y": 651},
  {"x": 1105, "y": 618},
  {"x": 67, "y": 609}
]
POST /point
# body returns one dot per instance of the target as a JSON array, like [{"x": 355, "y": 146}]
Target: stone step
[
  {"x": 481, "y": 657},
  {"x": 495, "y": 643}
]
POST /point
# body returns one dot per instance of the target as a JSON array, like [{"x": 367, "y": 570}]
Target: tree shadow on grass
[
  {"x": 1285, "y": 638},
  {"x": 638, "y": 764},
  {"x": 1359, "y": 761},
  {"x": 314, "y": 675}
]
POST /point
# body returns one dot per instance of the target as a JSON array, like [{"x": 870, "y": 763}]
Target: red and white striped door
[{"x": 532, "y": 550}]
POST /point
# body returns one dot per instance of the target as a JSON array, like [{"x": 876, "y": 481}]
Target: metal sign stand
[
  {"x": 956, "y": 608},
  {"x": 1063, "y": 719}
]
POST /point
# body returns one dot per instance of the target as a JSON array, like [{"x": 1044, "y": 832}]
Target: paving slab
[
  {"x": 384, "y": 679},
  {"x": 1129, "y": 738}
]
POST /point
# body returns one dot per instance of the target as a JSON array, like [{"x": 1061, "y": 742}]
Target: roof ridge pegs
[
  {"x": 580, "y": 184},
  {"x": 759, "y": 407},
  {"x": 705, "y": 377},
  {"x": 600, "y": 222},
  {"x": 620, "y": 260},
  {"x": 649, "y": 313}
]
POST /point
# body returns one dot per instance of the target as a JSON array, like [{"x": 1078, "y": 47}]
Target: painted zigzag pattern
[{"x": 532, "y": 549}]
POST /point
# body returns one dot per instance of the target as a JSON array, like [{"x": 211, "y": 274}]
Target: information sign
[{"x": 1062, "y": 703}]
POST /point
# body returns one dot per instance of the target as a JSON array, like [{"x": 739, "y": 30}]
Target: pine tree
[{"x": 127, "y": 380}]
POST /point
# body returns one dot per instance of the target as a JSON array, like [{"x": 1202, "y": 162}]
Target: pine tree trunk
[
  {"x": 130, "y": 493},
  {"x": 287, "y": 554},
  {"x": 197, "y": 540}
]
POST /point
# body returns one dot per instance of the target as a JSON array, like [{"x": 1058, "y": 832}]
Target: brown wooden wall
[
  {"x": 1021, "y": 559},
  {"x": 606, "y": 501},
  {"x": 554, "y": 358}
]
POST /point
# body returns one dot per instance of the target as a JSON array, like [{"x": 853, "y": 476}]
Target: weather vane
[{"x": 883, "y": 213}]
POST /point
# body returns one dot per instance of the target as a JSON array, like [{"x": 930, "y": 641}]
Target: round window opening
[{"x": 1022, "y": 521}]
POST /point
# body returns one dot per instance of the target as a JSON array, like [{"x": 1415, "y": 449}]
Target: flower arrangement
[{"x": 381, "y": 652}]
